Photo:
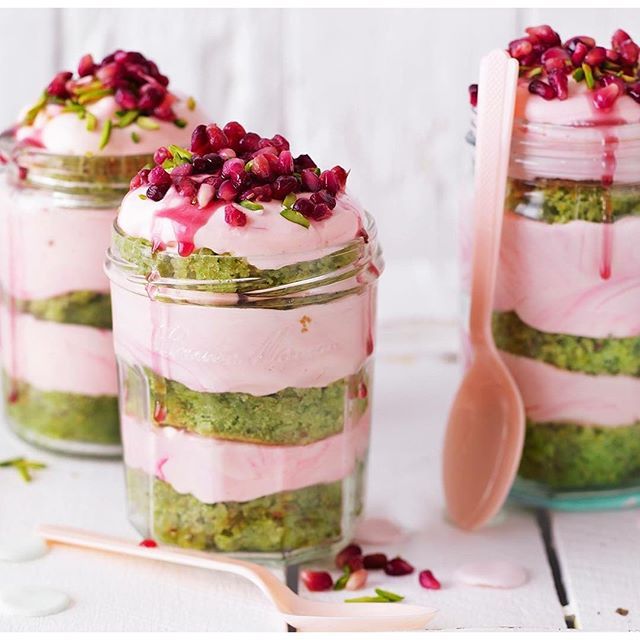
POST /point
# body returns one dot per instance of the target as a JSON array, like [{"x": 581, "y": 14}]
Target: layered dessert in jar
[
  {"x": 567, "y": 306},
  {"x": 65, "y": 166},
  {"x": 243, "y": 282}
]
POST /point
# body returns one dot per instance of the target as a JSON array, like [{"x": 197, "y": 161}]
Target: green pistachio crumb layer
[
  {"x": 293, "y": 416},
  {"x": 561, "y": 201},
  {"x": 597, "y": 356},
  {"x": 62, "y": 416},
  {"x": 280, "y": 522},
  {"x": 232, "y": 275},
  {"x": 573, "y": 456},
  {"x": 87, "y": 308}
]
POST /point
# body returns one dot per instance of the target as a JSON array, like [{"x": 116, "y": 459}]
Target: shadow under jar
[
  {"x": 567, "y": 310},
  {"x": 245, "y": 394},
  {"x": 58, "y": 368}
]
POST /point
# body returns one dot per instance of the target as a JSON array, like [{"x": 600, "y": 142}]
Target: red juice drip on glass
[{"x": 610, "y": 144}]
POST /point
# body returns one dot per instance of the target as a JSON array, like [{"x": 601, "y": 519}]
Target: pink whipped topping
[
  {"x": 550, "y": 275},
  {"x": 42, "y": 246},
  {"x": 257, "y": 351},
  {"x": 53, "y": 356},
  {"x": 268, "y": 240},
  {"x": 66, "y": 134},
  {"x": 551, "y": 394},
  {"x": 215, "y": 470}
]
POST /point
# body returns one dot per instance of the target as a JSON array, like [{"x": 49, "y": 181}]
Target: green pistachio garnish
[
  {"x": 144, "y": 122},
  {"x": 180, "y": 123},
  {"x": 191, "y": 103},
  {"x": 295, "y": 216},
  {"x": 105, "y": 134},
  {"x": 578, "y": 75},
  {"x": 588, "y": 75},
  {"x": 383, "y": 596},
  {"x": 92, "y": 96},
  {"x": 127, "y": 118},
  {"x": 142, "y": 196},
  {"x": 23, "y": 467},
  {"x": 35, "y": 109},
  {"x": 289, "y": 200},
  {"x": 341, "y": 582},
  {"x": 252, "y": 206},
  {"x": 135, "y": 137},
  {"x": 92, "y": 121}
]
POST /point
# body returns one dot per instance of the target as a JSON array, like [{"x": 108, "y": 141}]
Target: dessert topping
[
  {"x": 546, "y": 64},
  {"x": 232, "y": 166},
  {"x": 135, "y": 82}
]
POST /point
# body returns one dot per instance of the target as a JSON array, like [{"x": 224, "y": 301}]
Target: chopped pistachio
[
  {"x": 191, "y": 103},
  {"x": 92, "y": 96},
  {"x": 289, "y": 200},
  {"x": 92, "y": 121},
  {"x": 295, "y": 216},
  {"x": 127, "y": 118},
  {"x": 142, "y": 196},
  {"x": 23, "y": 466},
  {"x": 144, "y": 122},
  {"x": 588, "y": 75},
  {"x": 389, "y": 595},
  {"x": 105, "y": 134},
  {"x": 135, "y": 137},
  {"x": 341, "y": 582},
  {"x": 35, "y": 109},
  {"x": 578, "y": 75},
  {"x": 252, "y": 206},
  {"x": 180, "y": 123}
]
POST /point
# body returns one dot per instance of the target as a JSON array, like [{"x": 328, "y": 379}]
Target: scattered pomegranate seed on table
[
  {"x": 350, "y": 551},
  {"x": 375, "y": 561},
  {"x": 147, "y": 542},
  {"x": 398, "y": 567},
  {"x": 428, "y": 580},
  {"x": 357, "y": 580},
  {"x": 316, "y": 580}
]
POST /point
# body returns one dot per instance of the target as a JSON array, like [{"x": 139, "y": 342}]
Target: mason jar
[
  {"x": 245, "y": 393},
  {"x": 58, "y": 368},
  {"x": 567, "y": 309}
]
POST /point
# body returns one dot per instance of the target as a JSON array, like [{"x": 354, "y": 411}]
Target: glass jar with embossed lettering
[{"x": 244, "y": 335}]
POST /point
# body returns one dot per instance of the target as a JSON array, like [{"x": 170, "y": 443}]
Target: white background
[{"x": 382, "y": 92}]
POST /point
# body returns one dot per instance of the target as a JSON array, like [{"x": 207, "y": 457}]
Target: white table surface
[{"x": 598, "y": 553}]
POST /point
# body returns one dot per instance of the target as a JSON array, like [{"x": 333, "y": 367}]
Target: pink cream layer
[
  {"x": 257, "y": 351},
  {"x": 551, "y": 394},
  {"x": 219, "y": 470},
  {"x": 47, "y": 251},
  {"x": 552, "y": 276},
  {"x": 268, "y": 240},
  {"x": 58, "y": 357},
  {"x": 66, "y": 134}
]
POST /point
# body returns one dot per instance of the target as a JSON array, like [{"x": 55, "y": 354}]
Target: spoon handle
[
  {"x": 496, "y": 98},
  {"x": 257, "y": 574}
]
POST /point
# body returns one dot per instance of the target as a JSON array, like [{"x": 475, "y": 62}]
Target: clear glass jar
[
  {"x": 567, "y": 310},
  {"x": 246, "y": 404},
  {"x": 58, "y": 368}
]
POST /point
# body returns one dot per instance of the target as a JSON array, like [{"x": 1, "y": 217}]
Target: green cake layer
[
  {"x": 78, "y": 307},
  {"x": 561, "y": 201},
  {"x": 232, "y": 274},
  {"x": 572, "y": 456},
  {"x": 292, "y": 416},
  {"x": 610, "y": 356},
  {"x": 62, "y": 416},
  {"x": 281, "y": 522}
]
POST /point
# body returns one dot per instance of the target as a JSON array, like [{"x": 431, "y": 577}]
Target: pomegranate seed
[
  {"x": 605, "y": 97},
  {"x": 249, "y": 143},
  {"x": 320, "y": 212},
  {"x": 227, "y": 153},
  {"x": 362, "y": 392},
  {"x": 304, "y": 206},
  {"x": 304, "y": 162},
  {"x": 310, "y": 181},
  {"x": 159, "y": 411},
  {"x": 398, "y": 567},
  {"x": 612, "y": 56},
  {"x": 151, "y": 96},
  {"x": 147, "y": 542},
  {"x": 350, "y": 551},
  {"x": 264, "y": 142},
  {"x": 316, "y": 580},
  {"x": 234, "y": 217},
  {"x": 323, "y": 197},
  {"x": 559, "y": 83},
  {"x": 596, "y": 56},
  {"x": 357, "y": 580},
  {"x": 156, "y": 192},
  {"x": 341, "y": 174},
  {"x": 555, "y": 58},
  {"x": 473, "y": 95},
  {"x": 107, "y": 73},
  {"x": 634, "y": 91},
  {"x": 58, "y": 86},
  {"x": 142, "y": 177},
  {"x": 164, "y": 113},
  {"x": 520, "y": 48},
  {"x": 226, "y": 191},
  {"x": 330, "y": 182},
  {"x": 161, "y": 154},
  {"x": 200, "y": 140},
  {"x": 217, "y": 139},
  {"x": 185, "y": 248},
  {"x": 283, "y": 186},
  {"x": 285, "y": 163},
  {"x": 607, "y": 79},
  {"x": 280, "y": 142},
  {"x": 428, "y": 580},
  {"x": 234, "y": 132},
  {"x": 579, "y": 53},
  {"x": 629, "y": 52},
  {"x": 186, "y": 187},
  {"x": 572, "y": 43},
  {"x": 545, "y": 34},
  {"x": 126, "y": 99},
  {"x": 619, "y": 37},
  {"x": 232, "y": 167},
  {"x": 205, "y": 195},
  {"x": 86, "y": 66},
  {"x": 260, "y": 167},
  {"x": 375, "y": 561},
  {"x": 262, "y": 193},
  {"x": 185, "y": 169},
  {"x": 538, "y": 87},
  {"x": 159, "y": 177}
]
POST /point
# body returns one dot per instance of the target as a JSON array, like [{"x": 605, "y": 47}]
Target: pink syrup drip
[
  {"x": 159, "y": 471},
  {"x": 610, "y": 144}
]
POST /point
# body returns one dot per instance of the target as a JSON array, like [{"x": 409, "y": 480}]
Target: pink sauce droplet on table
[
  {"x": 497, "y": 574},
  {"x": 379, "y": 531}
]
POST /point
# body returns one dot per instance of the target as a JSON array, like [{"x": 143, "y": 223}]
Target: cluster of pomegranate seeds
[
  {"x": 241, "y": 169},
  {"x": 546, "y": 63}
]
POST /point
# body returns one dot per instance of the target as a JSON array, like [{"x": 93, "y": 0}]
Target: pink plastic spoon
[
  {"x": 485, "y": 433},
  {"x": 300, "y": 613}
]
